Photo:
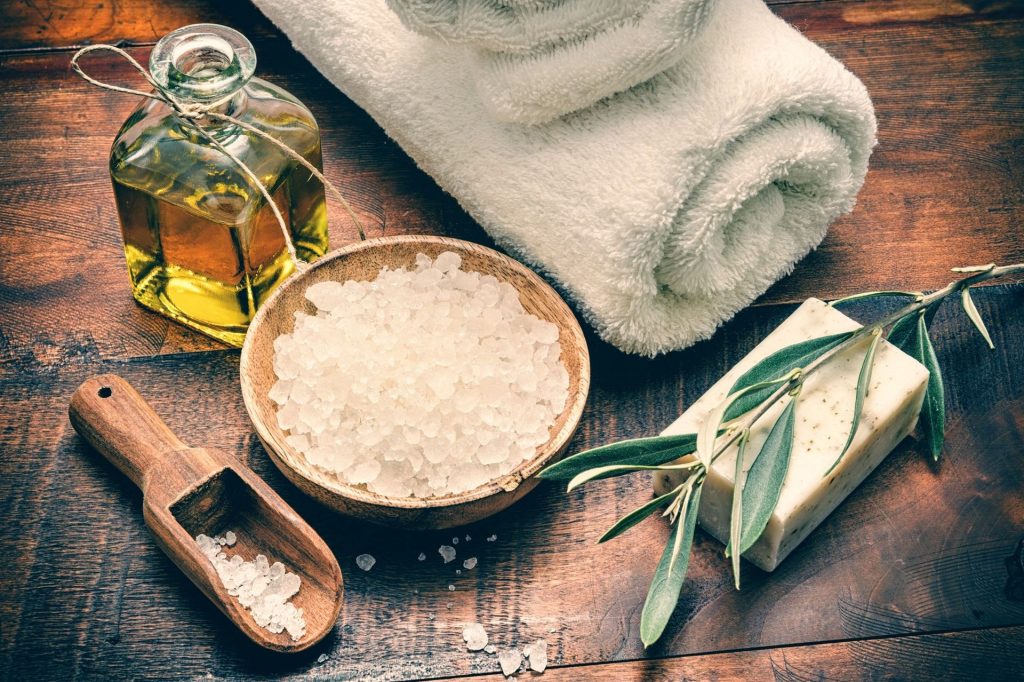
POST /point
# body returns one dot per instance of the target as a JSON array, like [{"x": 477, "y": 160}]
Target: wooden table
[{"x": 912, "y": 577}]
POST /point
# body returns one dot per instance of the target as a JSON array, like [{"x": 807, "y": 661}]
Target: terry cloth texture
[
  {"x": 535, "y": 62},
  {"x": 660, "y": 211},
  {"x": 500, "y": 26}
]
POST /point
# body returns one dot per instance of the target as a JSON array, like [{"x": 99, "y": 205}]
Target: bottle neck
[{"x": 204, "y": 64}]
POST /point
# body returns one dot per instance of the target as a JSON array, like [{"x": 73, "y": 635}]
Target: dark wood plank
[
  {"x": 946, "y": 185},
  {"x": 947, "y": 656},
  {"x": 40, "y": 24},
  {"x": 916, "y": 549}
]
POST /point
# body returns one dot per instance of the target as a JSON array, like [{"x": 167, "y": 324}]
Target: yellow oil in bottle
[
  {"x": 202, "y": 245},
  {"x": 209, "y": 258}
]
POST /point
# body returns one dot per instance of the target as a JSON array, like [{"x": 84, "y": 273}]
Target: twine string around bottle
[{"x": 191, "y": 112}]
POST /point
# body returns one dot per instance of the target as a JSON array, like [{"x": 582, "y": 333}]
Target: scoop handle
[{"x": 111, "y": 415}]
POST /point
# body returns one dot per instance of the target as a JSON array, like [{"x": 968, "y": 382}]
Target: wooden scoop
[{"x": 187, "y": 491}]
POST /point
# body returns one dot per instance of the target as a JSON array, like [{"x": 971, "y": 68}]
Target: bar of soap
[{"x": 823, "y": 415}]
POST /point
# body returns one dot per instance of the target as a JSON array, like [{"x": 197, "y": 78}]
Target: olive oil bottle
[{"x": 202, "y": 245}]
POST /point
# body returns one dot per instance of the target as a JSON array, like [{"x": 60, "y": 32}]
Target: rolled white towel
[
  {"x": 501, "y": 26},
  {"x": 660, "y": 211}
]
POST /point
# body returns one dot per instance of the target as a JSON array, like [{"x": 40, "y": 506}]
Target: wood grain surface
[
  {"x": 918, "y": 548},
  {"x": 911, "y": 657},
  {"x": 915, "y": 576}
]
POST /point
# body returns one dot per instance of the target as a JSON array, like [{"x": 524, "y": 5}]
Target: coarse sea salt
[
  {"x": 538, "y": 655},
  {"x": 475, "y": 636},
  {"x": 510, "y": 660},
  {"x": 422, "y": 382},
  {"x": 263, "y": 588}
]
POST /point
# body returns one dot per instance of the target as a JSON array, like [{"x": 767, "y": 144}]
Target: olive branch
[{"x": 759, "y": 481}]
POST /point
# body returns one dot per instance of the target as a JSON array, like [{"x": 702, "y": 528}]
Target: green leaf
[
  {"x": 933, "y": 414},
  {"x": 776, "y": 365},
  {"x": 711, "y": 427},
  {"x": 663, "y": 594},
  {"x": 904, "y": 332},
  {"x": 739, "y": 480},
  {"x": 910, "y": 334},
  {"x": 639, "y": 451},
  {"x": 874, "y": 294},
  {"x": 975, "y": 316},
  {"x": 765, "y": 478},
  {"x": 618, "y": 469},
  {"x": 975, "y": 268},
  {"x": 863, "y": 386},
  {"x": 637, "y": 515}
]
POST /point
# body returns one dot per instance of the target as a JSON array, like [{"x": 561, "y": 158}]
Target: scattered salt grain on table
[
  {"x": 455, "y": 540},
  {"x": 263, "y": 588},
  {"x": 469, "y": 563},
  {"x": 447, "y": 553},
  {"x": 423, "y": 382},
  {"x": 475, "y": 636},
  {"x": 365, "y": 561},
  {"x": 321, "y": 658},
  {"x": 510, "y": 660},
  {"x": 538, "y": 655},
  {"x": 421, "y": 557},
  {"x": 492, "y": 538}
]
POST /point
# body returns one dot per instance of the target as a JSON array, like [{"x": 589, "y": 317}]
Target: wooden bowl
[{"x": 363, "y": 261}]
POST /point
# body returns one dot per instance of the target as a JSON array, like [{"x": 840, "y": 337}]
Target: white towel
[
  {"x": 532, "y": 64},
  {"x": 661, "y": 211},
  {"x": 500, "y": 26}
]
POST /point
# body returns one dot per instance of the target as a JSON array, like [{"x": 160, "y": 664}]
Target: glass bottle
[{"x": 202, "y": 246}]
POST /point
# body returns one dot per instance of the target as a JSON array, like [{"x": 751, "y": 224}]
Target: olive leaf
[
  {"x": 639, "y": 514},
  {"x": 763, "y": 483},
  {"x": 975, "y": 268},
  {"x": 910, "y": 334},
  {"x": 863, "y": 386},
  {"x": 639, "y": 451},
  {"x": 618, "y": 469},
  {"x": 933, "y": 414},
  {"x": 736, "y": 517},
  {"x": 663, "y": 594},
  {"x": 776, "y": 365},
  {"x": 874, "y": 294},
  {"x": 711, "y": 428},
  {"x": 975, "y": 316},
  {"x": 903, "y": 332}
]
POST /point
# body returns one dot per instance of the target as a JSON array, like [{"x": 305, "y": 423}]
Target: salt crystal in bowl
[{"x": 364, "y": 261}]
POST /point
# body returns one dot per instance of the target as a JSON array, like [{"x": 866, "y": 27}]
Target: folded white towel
[
  {"x": 661, "y": 211},
  {"x": 541, "y": 85},
  {"x": 500, "y": 26},
  {"x": 535, "y": 63}
]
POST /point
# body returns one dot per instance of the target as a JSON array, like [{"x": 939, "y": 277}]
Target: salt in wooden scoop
[{"x": 187, "y": 491}]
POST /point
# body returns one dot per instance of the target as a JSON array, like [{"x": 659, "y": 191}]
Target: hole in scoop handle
[{"x": 111, "y": 415}]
